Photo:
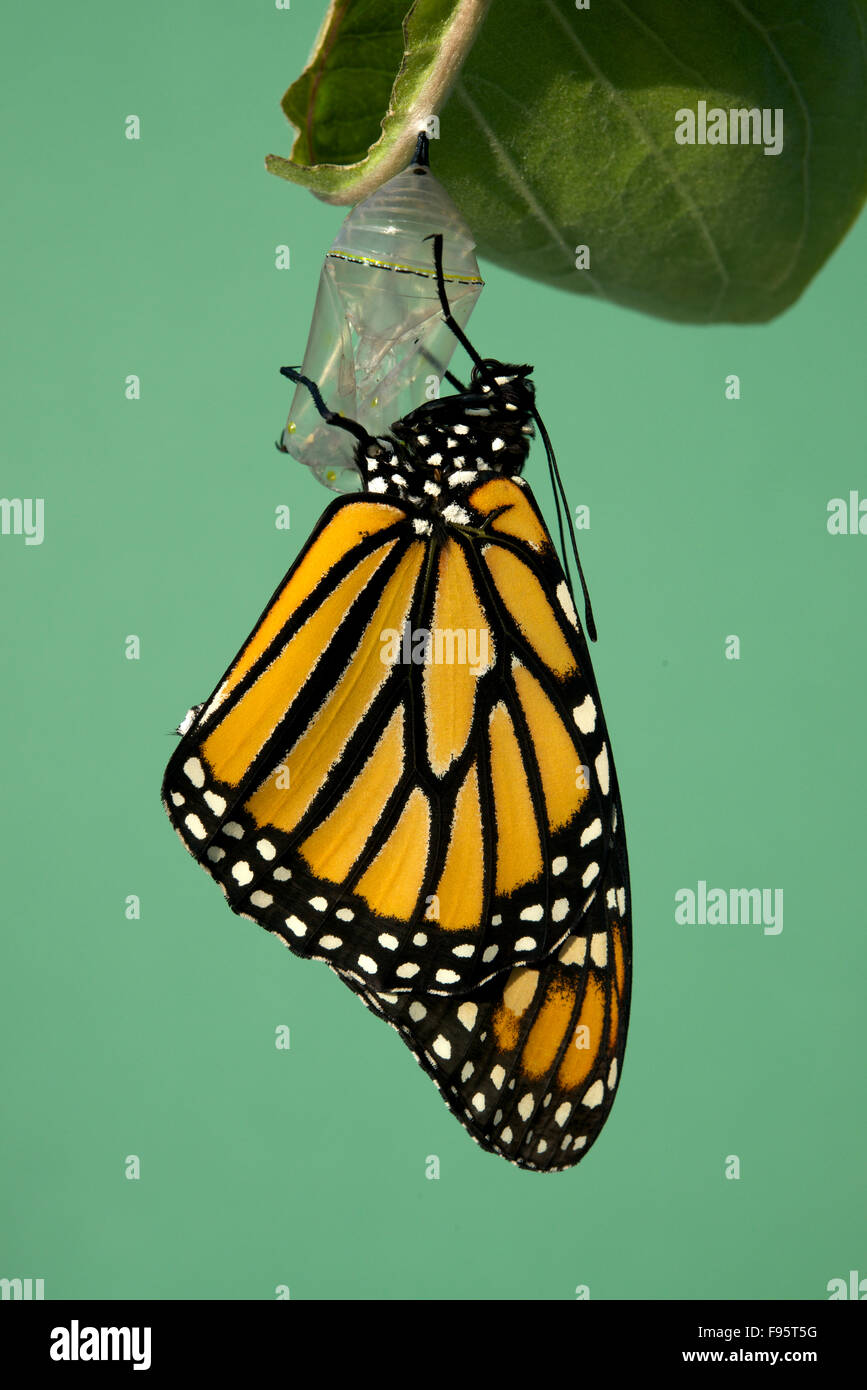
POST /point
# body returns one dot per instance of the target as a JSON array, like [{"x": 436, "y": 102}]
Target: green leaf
[
  {"x": 379, "y": 69},
  {"x": 558, "y": 130}
]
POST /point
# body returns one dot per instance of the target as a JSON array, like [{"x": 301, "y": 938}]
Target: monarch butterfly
[{"x": 406, "y": 773}]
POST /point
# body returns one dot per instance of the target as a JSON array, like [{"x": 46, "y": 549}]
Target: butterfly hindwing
[{"x": 530, "y": 1062}]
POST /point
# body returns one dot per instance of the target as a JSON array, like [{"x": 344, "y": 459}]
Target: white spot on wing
[
  {"x": 602, "y": 770},
  {"x": 566, "y": 603},
  {"x": 594, "y": 1096},
  {"x": 194, "y": 770},
  {"x": 467, "y": 1013},
  {"x": 573, "y": 950},
  {"x": 585, "y": 715},
  {"x": 593, "y": 831}
]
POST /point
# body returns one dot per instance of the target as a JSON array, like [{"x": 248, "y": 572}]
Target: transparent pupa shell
[{"x": 378, "y": 344}]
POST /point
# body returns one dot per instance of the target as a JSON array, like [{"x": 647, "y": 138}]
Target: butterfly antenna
[
  {"x": 330, "y": 416},
  {"x": 557, "y": 484},
  {"x": 437, "y": 239}
]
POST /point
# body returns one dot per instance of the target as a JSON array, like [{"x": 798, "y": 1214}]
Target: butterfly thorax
[{"x": 436, "y": 455}]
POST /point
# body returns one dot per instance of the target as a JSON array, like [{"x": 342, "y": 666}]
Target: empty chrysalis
[{"x": 378, "y": 344}]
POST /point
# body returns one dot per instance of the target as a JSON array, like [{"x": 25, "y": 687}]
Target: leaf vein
[
  {"x": 520, "y": 183},
  {"x": 647, "y": 29},
  {"x": 808, "y": 139},
  {"x": 637, "y": 124}
]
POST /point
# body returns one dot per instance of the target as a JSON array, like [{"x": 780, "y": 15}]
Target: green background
[{"x": 155, "y": 1037}]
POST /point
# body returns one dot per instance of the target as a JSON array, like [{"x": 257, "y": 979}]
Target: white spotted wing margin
[{"x": 530, "y": 1063}]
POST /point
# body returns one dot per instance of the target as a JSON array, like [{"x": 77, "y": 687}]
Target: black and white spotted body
[{"x": 439, "y": 452}]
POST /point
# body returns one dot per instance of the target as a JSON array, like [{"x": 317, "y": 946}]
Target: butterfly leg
[{"x": 331, "y": 416}]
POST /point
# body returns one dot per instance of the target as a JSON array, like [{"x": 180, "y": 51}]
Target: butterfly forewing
[{"x": 405, "y": 772}]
